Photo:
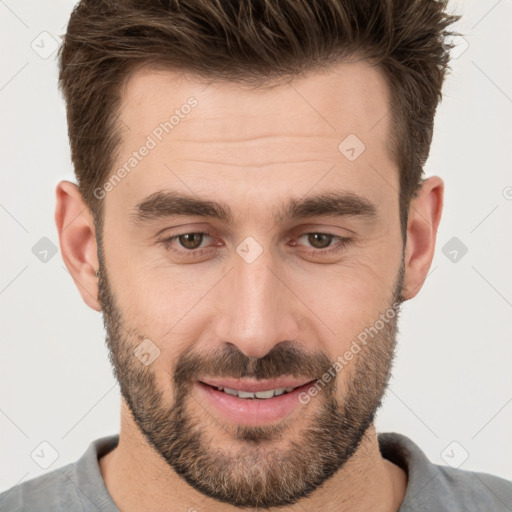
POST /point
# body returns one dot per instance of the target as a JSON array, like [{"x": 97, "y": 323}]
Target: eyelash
[{"x": 194, "y": 253}]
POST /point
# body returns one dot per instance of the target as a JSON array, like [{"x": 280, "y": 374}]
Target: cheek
[
  {"x": 161, "y": 308},
  {"x": 169, "y": 307},
  {"x": 349, "y": 296},
  {"x": 351, "y": 301},
  {"x": 151, "y": 292}
]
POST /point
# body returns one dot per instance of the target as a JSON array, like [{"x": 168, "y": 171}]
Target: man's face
[{"x": 273, "y": 295}]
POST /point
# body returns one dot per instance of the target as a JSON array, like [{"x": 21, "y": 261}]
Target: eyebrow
[{"x": 168, "y": 203}]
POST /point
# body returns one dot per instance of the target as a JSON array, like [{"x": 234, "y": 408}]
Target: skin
[{"x": 252, "y": 149}]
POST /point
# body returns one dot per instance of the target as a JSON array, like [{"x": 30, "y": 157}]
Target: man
[{"x": 251, "y": 212}]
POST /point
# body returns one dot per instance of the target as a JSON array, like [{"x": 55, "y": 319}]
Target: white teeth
[
  {"x": 264, "y": 394},
  {"x": 258, "y": 394},
  {"x": 245, "y": 394}
]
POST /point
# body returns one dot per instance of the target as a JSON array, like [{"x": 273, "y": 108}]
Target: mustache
[{"x": 285, "y": 359}]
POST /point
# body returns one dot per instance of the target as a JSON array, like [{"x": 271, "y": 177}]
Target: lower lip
[{"x": 252, "y": 411}]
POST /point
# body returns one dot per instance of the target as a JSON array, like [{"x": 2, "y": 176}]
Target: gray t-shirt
[{"x": 79, "y": 487}]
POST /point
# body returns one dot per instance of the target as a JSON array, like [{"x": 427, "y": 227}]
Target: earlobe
[
  {"x": 424, "y": 217},
  {"x": 77, "y": 239}
]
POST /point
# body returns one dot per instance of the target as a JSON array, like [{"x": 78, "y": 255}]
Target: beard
[{"x": 261, "y": 466}]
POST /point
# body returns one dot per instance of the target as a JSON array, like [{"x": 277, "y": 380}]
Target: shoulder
[
  {"x": 77, "y": 487},
  {"x": 468, "y": 489},
  {"x": 443, "y": 488},
  {"x": 50, "y": 491}
]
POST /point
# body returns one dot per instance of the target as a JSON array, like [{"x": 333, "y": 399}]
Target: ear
[
  {"x": 424, "y": 217},
  {"x": 77, "y": 239}
]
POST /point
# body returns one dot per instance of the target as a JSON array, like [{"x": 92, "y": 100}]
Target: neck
[{"x": 137, "y": 477}]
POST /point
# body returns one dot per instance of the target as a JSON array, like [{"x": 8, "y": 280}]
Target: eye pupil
[
  {"x": 191, "y": 240},
  {"x": 319, "y": 240}
]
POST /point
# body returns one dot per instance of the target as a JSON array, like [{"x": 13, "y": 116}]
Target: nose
[{"x": 257, "y": 309}]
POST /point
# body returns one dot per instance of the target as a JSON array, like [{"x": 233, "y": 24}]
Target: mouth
[
  {"x": 250, "y": 402},
  {"x": 259, "y": 395}
]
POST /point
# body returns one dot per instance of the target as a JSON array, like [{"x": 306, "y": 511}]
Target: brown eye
[
  {"x": 191, "y": 240},
  {"x": 319, "y": 245},
  {"x": 191, "y": 245},
  {"x": 320, "y": 240}
]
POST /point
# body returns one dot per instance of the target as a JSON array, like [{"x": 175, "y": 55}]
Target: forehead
[
  {"x": 240, "y": 140},
  {"x": 346, "y": 95}
]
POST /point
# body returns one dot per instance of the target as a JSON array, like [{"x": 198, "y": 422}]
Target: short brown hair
[{"x": 250, "y": 41}]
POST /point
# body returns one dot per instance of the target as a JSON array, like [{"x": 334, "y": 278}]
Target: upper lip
[{"x": 252, "y": 385}]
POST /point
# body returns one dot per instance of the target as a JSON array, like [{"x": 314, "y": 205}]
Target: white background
[{"x": 452, "y": 378}]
